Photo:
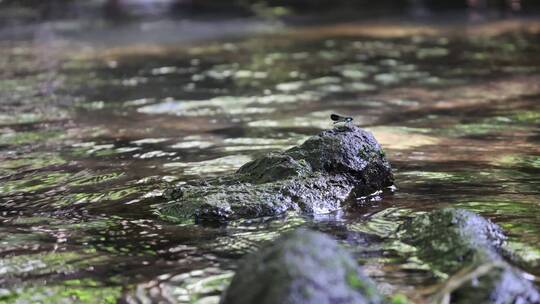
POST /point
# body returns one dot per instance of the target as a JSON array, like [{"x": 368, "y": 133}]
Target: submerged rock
[
  {"x": 301, "y": 267},
  {"x": 449, "y": 238},
  {"x": 468, "y": 247},
  {"x": 315, "y": 177}
]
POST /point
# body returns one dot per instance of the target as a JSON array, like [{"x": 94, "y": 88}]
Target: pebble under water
[{"x": 91, "y": 136}]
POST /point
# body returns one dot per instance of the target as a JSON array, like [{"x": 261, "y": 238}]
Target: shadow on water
[{"x": 91, "y": 137}]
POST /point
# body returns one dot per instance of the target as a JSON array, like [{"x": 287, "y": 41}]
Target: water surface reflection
[{"x": 90, "y": 139}]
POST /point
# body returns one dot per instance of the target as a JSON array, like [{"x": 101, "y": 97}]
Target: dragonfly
[{"x": 339, "y": 118}]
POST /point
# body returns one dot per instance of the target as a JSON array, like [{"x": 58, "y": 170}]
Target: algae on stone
[
  {"x": 448, "y": 238},
  {"x": 316, "y": 177},
  {"x": 470, "y": 249},
  {"x": 301, "y": 267}
]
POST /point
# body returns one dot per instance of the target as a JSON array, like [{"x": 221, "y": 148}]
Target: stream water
[{"x": 91, "y": 134}]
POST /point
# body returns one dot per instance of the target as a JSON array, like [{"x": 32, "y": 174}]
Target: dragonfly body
[{"x": 339, "y": 118}]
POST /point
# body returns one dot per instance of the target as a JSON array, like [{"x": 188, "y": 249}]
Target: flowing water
[{"x": 92, "y": 134}]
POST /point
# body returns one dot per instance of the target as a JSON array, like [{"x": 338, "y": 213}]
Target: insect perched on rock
[{"x": 338, "y": 118}]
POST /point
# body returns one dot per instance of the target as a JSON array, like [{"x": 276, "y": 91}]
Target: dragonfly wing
[{"x": 335, "y": 117}]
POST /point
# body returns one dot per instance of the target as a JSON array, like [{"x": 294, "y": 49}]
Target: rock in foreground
[
  {"x": 315, "y": 177},
  {"x": 301, "y": 267},
  {"x": 468, "y": 247}
]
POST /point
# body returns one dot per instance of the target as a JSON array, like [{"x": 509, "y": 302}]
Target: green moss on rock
[
  {"x": 448, "y": 238},
  {"x": 469, "y": 248},
  {"x": 301, "y": 267},
  {"x": 315, "y": 177}
]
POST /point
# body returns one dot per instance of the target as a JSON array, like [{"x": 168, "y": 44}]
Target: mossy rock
[
  {"x": 316, "y": 177},
  {"x": 450, "y": 238},
  {"x": 301, "y": 267},
  {"x": 468, "y": 247}
]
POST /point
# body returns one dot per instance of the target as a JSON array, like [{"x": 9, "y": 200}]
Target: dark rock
[
  {"x": 468, "y": 247},
  {"x": 300, "y": 267},
  {"x": 316, "y": 177}
]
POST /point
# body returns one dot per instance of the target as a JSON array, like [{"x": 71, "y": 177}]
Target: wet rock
[
  {"x": 300, "y": 267},
  {"x": 315, "y": 177},
  {"x": 449, "y": 238},
  {"x": 468, "y": 247},
  {"x": 492, "y": 283}
]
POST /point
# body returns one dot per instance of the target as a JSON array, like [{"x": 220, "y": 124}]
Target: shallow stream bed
[{"x": 91, "y": 135}]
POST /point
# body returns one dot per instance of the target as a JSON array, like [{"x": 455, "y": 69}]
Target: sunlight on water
[{"x": 218, "y": 165}]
